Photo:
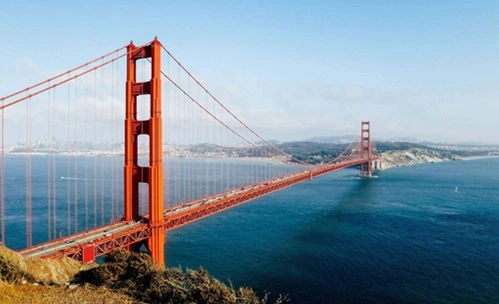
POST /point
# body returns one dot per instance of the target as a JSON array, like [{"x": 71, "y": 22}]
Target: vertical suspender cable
[
  {"x": 76, "y": 158},
  {"x": 199, "y": 193},
  {"x": 68, "y": 158},
  {"x": 49, "y": 175},
  {"x": 178, "y": 191},
  {"x": 168, "y": 103},
  {"x": 28, "y": 174},
  {"x": 102, "y": 147},
  {"x": 95, "y": 149},
  {"x": 207, "y": 173},
  {"x": 190, "y": 134},
  {"x": 184, "y": 140},
  {"x": 54, "y": 173},
  {"x": 221, "y": 163},
  {"x": 228, "y": 147},
  {"x": 214, "y": 173},
  {"x": 86, "y": 156},
  {"x": 176, "y": 139},
  {"x": 2, "y": 177},
  {"x": 112, "y": 139}
]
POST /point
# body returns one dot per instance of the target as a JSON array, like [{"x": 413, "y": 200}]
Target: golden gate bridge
[{"x": 63, "y": 144}]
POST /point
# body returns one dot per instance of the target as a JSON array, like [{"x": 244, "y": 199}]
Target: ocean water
[
  {"x": 79, "y": 193},
  {"x": 403, "y": 237}
]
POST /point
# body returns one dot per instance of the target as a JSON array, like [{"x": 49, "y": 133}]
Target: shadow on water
[
  {"x": 341, "y": 199},
  {"x": 357, "y": 197},
  {"x": 402, "y": 238},
  {"x": 405, "y": 237},
  {"x": 307, "y": 260}
]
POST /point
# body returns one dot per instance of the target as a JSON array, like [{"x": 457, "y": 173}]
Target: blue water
[
  {"x": 403, "y": 237},
  {"x": 80, "y": 193}
]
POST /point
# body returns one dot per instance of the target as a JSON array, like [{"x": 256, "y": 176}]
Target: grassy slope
[
  {"x": 28, "y": 293},
  {"x": 124, "y": 278},
  {"x": 43, "y": 281}
]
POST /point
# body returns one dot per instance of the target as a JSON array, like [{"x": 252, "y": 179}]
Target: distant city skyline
[{"x": 292, "y": 70}]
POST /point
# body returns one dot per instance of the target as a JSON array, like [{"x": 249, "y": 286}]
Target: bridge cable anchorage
[{"x": 228, "y": 111}]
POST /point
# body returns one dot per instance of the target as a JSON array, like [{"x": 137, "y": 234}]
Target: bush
[{"x": 136, "y": 275}]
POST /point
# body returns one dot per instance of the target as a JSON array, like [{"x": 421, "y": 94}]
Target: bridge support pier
[
  {"x": 152, "y": 174},
  {"x": 376, "y": 164}
]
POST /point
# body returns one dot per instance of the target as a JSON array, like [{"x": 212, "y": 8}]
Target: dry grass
[
  {"x": 51, "y": 271},
  {"x": 15, "y": 268},
  {"x": 136, "y": 275},
  {"x": 38, "y": 281},
  {"x": 28, "y": 293},
  {"x": 124, "y": 278}
]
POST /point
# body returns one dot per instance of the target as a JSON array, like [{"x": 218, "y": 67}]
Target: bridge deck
[{"x": 104, "y": 239}]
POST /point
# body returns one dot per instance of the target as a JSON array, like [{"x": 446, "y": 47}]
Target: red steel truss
[{"x": 187, "y": 213}]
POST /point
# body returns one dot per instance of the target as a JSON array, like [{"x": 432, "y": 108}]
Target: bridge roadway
[{"x": 85, "y": 246}]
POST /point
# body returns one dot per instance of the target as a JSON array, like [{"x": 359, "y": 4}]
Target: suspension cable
[
  {"x": 228, "y": 111},
  {"x": 61, "y": 74},
  {"x": 6, "y": 105},
  {"x": 216, "y": 118}
]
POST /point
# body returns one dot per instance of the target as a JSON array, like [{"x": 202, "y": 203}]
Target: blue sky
[{"x": 293, "y": 69}]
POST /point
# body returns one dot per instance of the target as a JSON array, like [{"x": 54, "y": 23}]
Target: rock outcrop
[
  {"x": 15, "y": 268},
  {"x": 414, "y": 156}
]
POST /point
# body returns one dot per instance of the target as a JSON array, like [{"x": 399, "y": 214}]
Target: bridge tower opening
[
  {"x": 152, "y": 174},
  {"x": 365, "y": 149}
]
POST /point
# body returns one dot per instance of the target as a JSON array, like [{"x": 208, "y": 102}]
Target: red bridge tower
[
  {"x": 365, "y": 149},
  {"x": 152, "y": 174}
]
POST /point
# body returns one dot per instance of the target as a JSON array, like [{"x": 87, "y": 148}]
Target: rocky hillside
[
  {"x": 415, "y": 156},
  {"x": 55, "y": 294},
  {"x": 135, "y": 275},
  {"x": 123, "y": 278},
  {"x": 38, "y": 281},
  {"x": 14, "y": 268}
]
